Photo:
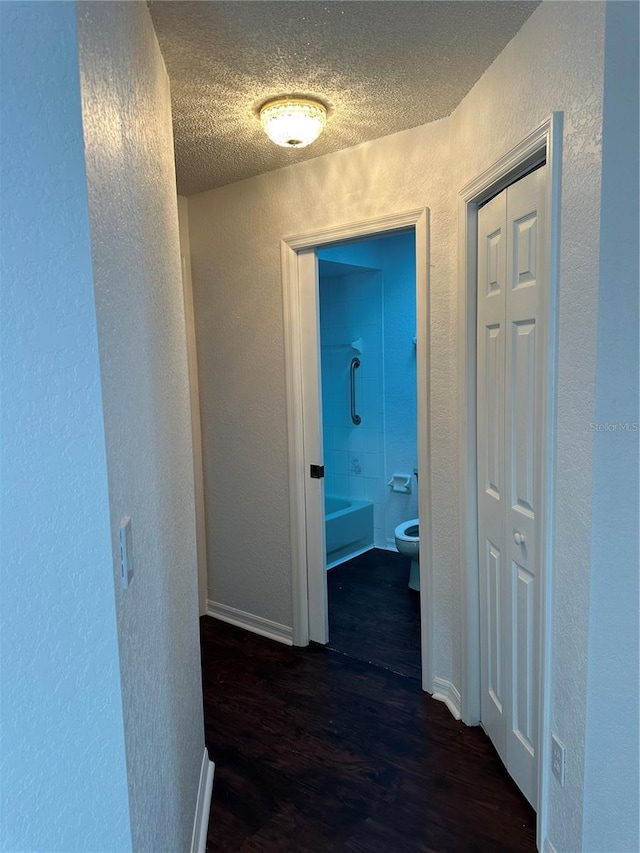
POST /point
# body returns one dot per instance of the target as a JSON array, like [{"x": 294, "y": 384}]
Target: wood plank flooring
[
  {"x": 373, "y": 615},
  {"x": 316, "y": 751}
]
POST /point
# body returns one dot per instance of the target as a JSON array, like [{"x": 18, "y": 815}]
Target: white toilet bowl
[{"x": 408, "y": 543}]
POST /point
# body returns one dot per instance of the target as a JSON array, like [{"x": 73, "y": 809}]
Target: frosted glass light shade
[{"x": 293, "y": 122}]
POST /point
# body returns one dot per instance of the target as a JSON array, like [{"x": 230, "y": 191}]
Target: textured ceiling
[{"x": 380, "y": 67}]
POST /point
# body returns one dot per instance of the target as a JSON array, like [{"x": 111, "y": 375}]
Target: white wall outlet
[
  {"x": 126, "y": 552},
  {"x": 557, "y": 759}
]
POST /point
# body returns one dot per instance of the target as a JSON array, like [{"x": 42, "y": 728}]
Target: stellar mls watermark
[{"x": 614, "y": 426}]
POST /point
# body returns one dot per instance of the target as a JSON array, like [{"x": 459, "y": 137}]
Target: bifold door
[{"x": 511, "y": 288}]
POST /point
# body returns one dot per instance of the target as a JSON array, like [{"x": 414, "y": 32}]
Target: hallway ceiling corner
[{"x": 382, "y": 66}]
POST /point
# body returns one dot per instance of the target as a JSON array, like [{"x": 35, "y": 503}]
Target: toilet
[{"x": 407, "y": 536}]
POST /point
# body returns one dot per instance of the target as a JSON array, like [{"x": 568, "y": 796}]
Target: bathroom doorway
[
  {"x": 367, "y": 319},
  {"x": 359, "y": 469}
]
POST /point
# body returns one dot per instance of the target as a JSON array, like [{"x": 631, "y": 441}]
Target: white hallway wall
[
  {"x": 611, "y": 765},
  {"x": 141, "y": 329},
  {"x": 102, "y": 735},
  {"x": 556, "y": 62},
  {"x": 62, "y": 755}
]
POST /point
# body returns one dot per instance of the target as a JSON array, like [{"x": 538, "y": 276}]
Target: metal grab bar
[{"x": 355, "y": 364}]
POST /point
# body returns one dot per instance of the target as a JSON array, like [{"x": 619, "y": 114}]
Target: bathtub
[{"x": 348, "y": 528}]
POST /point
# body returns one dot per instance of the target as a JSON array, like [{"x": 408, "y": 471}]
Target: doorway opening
[
  {"x": 362, "y": 412},
  {"x": 367, "y": 321}
]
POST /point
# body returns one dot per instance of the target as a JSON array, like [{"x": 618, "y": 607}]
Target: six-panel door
[{"x": 511, "y": 287}]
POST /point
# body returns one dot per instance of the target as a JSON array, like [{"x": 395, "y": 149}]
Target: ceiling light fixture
[{"x": 293, "y": 122}]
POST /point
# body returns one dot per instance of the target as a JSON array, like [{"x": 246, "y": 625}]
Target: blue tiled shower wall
[{"x": 367, "y": 291}]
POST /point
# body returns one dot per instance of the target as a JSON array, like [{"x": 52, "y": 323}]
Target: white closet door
[
  {"x": 526, "y": 291},
  {"x": 509, "y": 545},
  {"x": 492, "y": 274}
]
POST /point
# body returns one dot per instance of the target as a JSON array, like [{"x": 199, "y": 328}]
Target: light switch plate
[{"x": 126, "y": 552}]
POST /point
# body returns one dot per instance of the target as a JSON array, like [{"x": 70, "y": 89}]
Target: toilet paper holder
[{"x": 400, "y": 483}]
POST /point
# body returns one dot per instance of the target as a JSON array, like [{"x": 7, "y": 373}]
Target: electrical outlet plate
[{"x": 557, "y": 759}]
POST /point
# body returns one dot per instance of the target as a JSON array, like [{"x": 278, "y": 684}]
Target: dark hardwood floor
[
  {"x": 317, "y": 751},
  {"x": 373, "y": 615}
]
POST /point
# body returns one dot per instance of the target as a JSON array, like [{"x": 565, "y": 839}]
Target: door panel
[
  {"x": 523, "y": 416},
  {"x": 492, "y": 279},
  {"x": 523, "y": 436},
  {"x": 494, "y": 400},
  {"x": 524, "y": 250},
  {"x": 511, "y": 288},
  {"x": 494, "y": 633},
  {"x": 524, "y": 630}
]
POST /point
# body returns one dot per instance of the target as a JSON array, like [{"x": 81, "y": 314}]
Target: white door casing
[
  {"x": 302, "y": 372},
  {"x": 313, "y": 450},
  {"x": 512, "y": 290}
]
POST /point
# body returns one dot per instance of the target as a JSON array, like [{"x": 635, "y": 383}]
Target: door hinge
[{"x": 317, "y": 472}]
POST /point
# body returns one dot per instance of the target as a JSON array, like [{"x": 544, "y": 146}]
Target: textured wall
[
  {"x": 62, "y": 769},
  {"x": 612, "y": 750},
  {"x": 235, "y": 234},
  {"x": 139, "y": 300},
  {"x": 556, "y": 63}
]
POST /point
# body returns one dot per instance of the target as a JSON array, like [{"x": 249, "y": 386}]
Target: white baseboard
[
  {"x": 256, "y": 624},
  {"x": 203, "y": 805},
  {"x": 445, "y": 691}
]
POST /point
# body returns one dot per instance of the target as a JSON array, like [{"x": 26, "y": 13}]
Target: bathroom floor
[{"x": 373, "y": 615}]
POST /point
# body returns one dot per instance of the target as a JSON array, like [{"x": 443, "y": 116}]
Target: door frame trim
[
  {"x": 418, "y": 220},
  {"x": 194, "y": 403},
  {"x": 544, "y": 143}
]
